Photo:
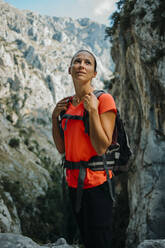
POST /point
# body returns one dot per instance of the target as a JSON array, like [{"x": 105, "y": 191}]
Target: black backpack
[{"x": 121, "y": 149}]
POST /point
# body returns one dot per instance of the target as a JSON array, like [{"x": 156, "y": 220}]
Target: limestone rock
[
  {"x": 61, "y": 242},
  {"x": 10, "y": 240},
  {"x": 139, "y": 90},
  {"x": 8, "y": 215},
  {"x": 152, "y": 244}
]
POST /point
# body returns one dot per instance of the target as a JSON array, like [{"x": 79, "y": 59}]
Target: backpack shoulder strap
[
  {"x": 61, "y": 116},
  {"x": 97, "y": 93}
]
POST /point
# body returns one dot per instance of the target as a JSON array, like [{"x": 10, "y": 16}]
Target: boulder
[{"x": 160, "y": 243}]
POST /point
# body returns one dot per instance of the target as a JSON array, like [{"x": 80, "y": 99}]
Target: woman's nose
[{"x": 82, "y": 64}]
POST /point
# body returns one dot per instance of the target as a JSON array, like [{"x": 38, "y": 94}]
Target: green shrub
[
  {"x": 26, "y": 141},
  {"x": 159, "y": 18},
  {"x": 159, "y": 53},
  {"x": 123, "y": 19},
  {"x": 53, "y": 218},
  {"x": 142, "y": 13},
  {"x": 41, "y": 121},
  {"x": 14, "y": 142},
  {"x": 31, "y": 148},
  {"x": 9, "y": 118}
]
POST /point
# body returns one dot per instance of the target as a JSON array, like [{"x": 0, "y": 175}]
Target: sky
[{"x": 97, "y": 10}]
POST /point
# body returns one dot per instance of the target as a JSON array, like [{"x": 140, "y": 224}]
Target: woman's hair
[{"x": 83, "y": 50}]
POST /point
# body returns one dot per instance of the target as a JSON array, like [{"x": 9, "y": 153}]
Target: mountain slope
[{"x": 35, "y": 52}]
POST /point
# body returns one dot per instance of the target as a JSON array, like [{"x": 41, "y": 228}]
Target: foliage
[
  {"x": 159, "y": 53},
  {"x": 110, "y": 31},
  {"x": 121, "y": 17},
  {"x": 142, "y": 13},
  {"x": 108, "y": 84},
  {"x": 15, "y": 100},
  {"x": 159, "y": 18},
  {"x": 41, "y": 121},
  {"x": 53, "y": 218},
  {"x": 9, "y": 118},
  {"x": 14, "y": 142}
]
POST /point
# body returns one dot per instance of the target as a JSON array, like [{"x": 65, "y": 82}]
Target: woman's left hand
[{"x": 90, "y": 102}]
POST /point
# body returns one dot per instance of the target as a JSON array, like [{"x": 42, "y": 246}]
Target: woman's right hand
[{"x": 62, "y": 105}]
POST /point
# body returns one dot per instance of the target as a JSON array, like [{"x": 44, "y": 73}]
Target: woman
[{"x": 95, "y": 212}]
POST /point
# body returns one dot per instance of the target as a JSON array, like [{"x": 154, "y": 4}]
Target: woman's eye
[
  {"x": 77, "y": 61},
  {"x": 88, "y": 62}
]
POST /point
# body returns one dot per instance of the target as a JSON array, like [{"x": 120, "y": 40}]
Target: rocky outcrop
[
  {"x": 11, "y": 240},
  {"x": 139, "y": 88},
  {"x": 35, "y": 53},
  {"x": 152, "y": 244}
]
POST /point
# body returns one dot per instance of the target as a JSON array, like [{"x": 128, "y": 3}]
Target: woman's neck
[{"x": 81, "y": 92}]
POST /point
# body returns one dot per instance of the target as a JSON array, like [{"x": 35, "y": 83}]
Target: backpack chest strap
[{"x": 71, "y": 117}]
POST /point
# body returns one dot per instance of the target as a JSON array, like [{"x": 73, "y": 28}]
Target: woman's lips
[{"x": 81, "y": 72}]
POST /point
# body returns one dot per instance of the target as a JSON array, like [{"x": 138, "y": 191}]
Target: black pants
[{"x": 95, "y": 216}]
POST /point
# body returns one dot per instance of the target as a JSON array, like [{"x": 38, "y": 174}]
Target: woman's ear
[
  {"x": 69, "y": 70},
  {"x": 95, "y": 73}
]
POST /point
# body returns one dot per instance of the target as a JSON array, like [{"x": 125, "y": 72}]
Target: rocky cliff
[
  {"x": 139, "y": 86},
  {"x": 35, "y": 53}
]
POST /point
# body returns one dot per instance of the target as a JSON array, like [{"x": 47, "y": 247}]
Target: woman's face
[{"x": 82, "y": 67}]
